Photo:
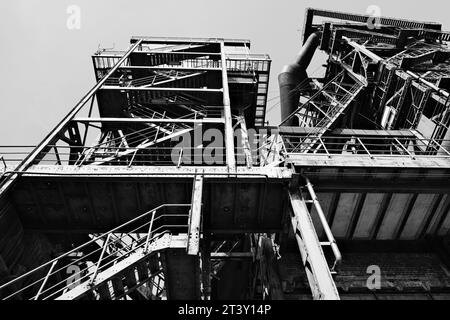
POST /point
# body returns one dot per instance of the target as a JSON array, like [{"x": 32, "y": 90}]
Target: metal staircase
[
  {"x": 322, "y": 110},
  {"x": 117, "y": 146},
  {"x": 126, "y": 275},
  {"x": 171, "y": 54},
  {"x": 123, "y": 263},
  {"x": 164, "y": 77},
  {"x": 158, "y": 58},
  {"x": 191, "y": 80}
]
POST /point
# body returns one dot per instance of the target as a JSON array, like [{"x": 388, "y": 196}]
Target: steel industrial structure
[{"x": 163, "y": 182}]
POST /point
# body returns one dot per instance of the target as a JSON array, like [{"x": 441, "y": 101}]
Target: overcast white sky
[{"x": 45, "y": 68}]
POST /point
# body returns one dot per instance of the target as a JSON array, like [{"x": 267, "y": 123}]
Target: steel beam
[
  {"x": 357, "y": 33},
  {"x": 58, "y": 129},
  {"x": 313, "y": 259},
  {"x": 362, "y": 49},
  {"x": 195, "y": 216},
  {"x": 229, "y": 137},
  {"x": 245, "y": 141},
  {"x": 148, "y": 120},
  {"x": 393, "y": 185},
  {"x": 188, "y": 172},
  {"x": 231, "y": 255},
  {"x": 368, "y": 161},
  {"x": 205, "y": 269},
  {"x": 179, "y": 40},
  {"x": 119, "y": 88},
  {"x": 269, "y": 264},
  {"x": 188, "y": 53},
  {"x": 363, "y": 18},
  {"x": 106, "y": 54},
  {"x": 179, "y": 68},
  {"x": 429, "y": 84}
]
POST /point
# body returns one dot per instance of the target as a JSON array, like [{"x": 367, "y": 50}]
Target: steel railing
[
  {"x": 369, "y": 146},
  {"x": 265, "y": 150},
  {"x": 12, "y": 156}
]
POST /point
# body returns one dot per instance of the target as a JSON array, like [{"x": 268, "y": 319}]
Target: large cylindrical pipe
[{"x": 294, "y": 74}]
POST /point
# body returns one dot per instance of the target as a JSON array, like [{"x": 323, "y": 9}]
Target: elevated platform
[
  {"x": 360, "y": 203},
  {"x": 366, "y": 161},
  {"x": 94, "y": 199}
]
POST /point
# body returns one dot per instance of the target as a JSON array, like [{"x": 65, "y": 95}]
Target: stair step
[
  {"x": 153, "y": 264},
  {"x": 103, "y": 291},
  {"x": 89, "y": 296},
  {"x": 130, "y": 278},
  {"x": 142, "y": 270},
  {"x": 118, "y": 288}
]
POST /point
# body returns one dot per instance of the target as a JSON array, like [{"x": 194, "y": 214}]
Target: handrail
[
  {"x": 373, "y": 146},
  {"x": 124, "y": 254},
  {"x": 326, "y": 227}
]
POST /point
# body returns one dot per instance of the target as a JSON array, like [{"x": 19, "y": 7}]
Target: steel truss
[{"x": 152, "y": 95}]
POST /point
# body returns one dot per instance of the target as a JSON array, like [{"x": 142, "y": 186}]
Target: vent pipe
[{"x": 293, "y": 75}]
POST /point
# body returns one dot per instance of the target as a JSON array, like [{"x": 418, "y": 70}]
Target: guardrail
[
  {"x": 12, "y": 156},
  {"x": 368, "y": 146}
]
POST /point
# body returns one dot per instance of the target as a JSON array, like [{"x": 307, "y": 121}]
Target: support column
[
  {"x": 205, "y": 271},
  {"x": 245, "y": 141},
  {"x": 229, "y": 138},
  {"x": 269, "y": 260},
  {"x": 316, "y": 266},
  {"x": 193, "y": 245}
]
